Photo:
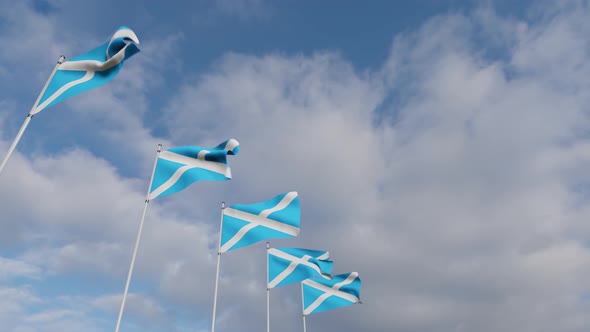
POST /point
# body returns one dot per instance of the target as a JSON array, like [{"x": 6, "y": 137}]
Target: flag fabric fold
[
  {"x": 290, "y": 265},
  {"x": 89, "y": 70},
  {"x": 323, "y": 295},
  {"x": 246, "y": 224},
  {"x": 179, "y": 167}
]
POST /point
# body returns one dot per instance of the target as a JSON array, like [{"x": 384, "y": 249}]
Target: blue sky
[{"x": 439, "y": 148}]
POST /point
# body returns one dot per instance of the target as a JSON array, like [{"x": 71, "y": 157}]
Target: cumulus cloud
[
  {"x": 452, "y": 178},
  {"x": 444, "y": 197}
]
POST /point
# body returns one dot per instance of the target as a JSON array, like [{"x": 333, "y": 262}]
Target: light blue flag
[
  {"x": 89, "y": 70},
  {"x": 322, "y": 295},
  {"x": 245, "y": 224},
  {"x": 179, "y": 167},
  {"x": 290, "y": 265}
]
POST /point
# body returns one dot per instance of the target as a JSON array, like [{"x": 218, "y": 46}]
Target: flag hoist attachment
[{"x": 29, "y": 116}]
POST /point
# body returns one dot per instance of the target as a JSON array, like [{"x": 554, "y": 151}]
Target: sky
[{"x": 440, "y": 149}]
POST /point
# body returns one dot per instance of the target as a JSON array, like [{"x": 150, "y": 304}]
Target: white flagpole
[
  {"x": 303, "y": 308},
  {"x": 267, "y": 291},
  {"x": 147, "y": 201},
  {"x": 217, "y": 274},
  {"x": 30, "y": 115}
]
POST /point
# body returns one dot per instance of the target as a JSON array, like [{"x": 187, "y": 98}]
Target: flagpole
[
  {"x": 303, "y": 308},
  {"x": 217, "y": 274},
  {"x": 267, "y": 291},
  {"x": 147, "y": 201},
  {"x": 30, "y": 115}
]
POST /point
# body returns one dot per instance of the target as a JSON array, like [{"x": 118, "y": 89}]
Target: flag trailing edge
[
  {"x": 291, "y": 265},
  {"x": 322, "y": 295},
  {"x": 246, "y": 224},
  {"x": 89, "y": 70},
  {"x": 179, "y": 167}
]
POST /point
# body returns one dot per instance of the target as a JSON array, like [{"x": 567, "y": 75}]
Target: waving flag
[
  {"x": 291, "y": 265},
  {"x": 89, "y": 70},
  {"x": 179, "y": 167},
  {"x": 245, "y": 224},
  {"x": 322, "y": 295}
]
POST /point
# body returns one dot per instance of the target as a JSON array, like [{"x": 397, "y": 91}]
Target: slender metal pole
[
  {"x": 217, "y": 274},
  {"x": 30, "y": 115},
  {"x": 147, "y": 202},
  {"x": 303, "y": 308},
  {"x": 267, "y": 291}
]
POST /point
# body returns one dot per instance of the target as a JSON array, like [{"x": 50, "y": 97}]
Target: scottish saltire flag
[
  {"x": 179, "y": 167},
  {"x": 290, "y": 265},
  {"x": 245, "y": 224},
  {"x": 322, "y": 295},
  {"x": 89, "y": 70}
]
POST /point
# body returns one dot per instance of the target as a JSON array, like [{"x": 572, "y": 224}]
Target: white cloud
[
  {"x": 453, "y": 180},
  {"x": 12, "y": 268},
  {"x": 444, "y": 206}
]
